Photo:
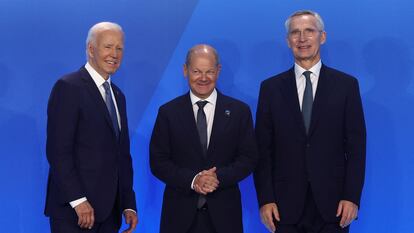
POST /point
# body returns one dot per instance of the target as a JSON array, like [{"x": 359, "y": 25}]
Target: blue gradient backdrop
[{"x": 43, "y": 39}]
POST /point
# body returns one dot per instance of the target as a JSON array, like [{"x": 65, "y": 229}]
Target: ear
[
  {"x": 323, "y": 38},
  {"x": 90, "y": 50},
  {"x": 185, "y": 70},
  {"x": 288, "y": 42},
  {"x": 218, "y": 69}
]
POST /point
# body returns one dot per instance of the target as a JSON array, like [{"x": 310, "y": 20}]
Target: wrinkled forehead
[
  {"x": 110, "y": 35},
  {"x": 303, "y": 22}
]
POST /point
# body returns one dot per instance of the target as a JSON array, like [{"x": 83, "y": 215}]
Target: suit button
[{"x": 308, "y": 145}]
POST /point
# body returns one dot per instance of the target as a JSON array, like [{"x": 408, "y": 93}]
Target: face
[
  {"x": 305, "y": 40},
  {"x": 202, "y": 74},
  {"x": 105, "y": 55}
]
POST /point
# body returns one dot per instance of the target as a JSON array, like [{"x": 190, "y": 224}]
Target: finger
[
  {"x": 343, "y": 221},
  {"x": 80, "y": 220},
  {"x": 269, "y": 221},
  {"x": 213, "y": 169},
  {"x": 276, "y": 214},
  {"x": 87, "y": 221},
  {"x": 92, "y": 216},
  {"x": 84, "y": 220},
  {"x": 134, "y": 223},
  {"x": 198, "y": 189},
  {"x": 127, "y": 219},
  {"x": 339, "y": 210}
]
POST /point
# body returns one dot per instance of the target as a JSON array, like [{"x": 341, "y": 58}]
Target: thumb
[
  {"x": 339, "y": 211},
  {"x": 276, "y": 214}
]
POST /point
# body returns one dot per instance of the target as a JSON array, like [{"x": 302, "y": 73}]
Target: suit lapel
[
  {"x": 121, "y": 108},
  {"x": 96, "y": 95},
  {"x": 188, "y": 123},
  {"x": 221, "y": 119},
  {"x": 325, "y": 87},
  {"x": 290, "y": 92}
]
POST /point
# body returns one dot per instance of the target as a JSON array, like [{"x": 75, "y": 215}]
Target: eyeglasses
[{"x": 307, "y": 33}]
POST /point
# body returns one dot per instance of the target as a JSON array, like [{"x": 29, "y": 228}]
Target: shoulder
[
  {"x": 70, "y": 82},
  {"x": 278, "y": 79},
  {"x": 176, "y": 103},
  {"x": 233, "y": 103},
  {"x": 338, "y": 75}
]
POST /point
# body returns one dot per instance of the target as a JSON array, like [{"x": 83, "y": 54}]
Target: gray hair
[
  {"x": 319, "y": 22},
  {"x": 93, "y": 32},
  {"x": 204, "y": 48}
]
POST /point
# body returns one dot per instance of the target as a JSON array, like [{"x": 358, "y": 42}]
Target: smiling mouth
[
  {"x": 304, "y": 47},
  {"x": 111, "y": 62}
]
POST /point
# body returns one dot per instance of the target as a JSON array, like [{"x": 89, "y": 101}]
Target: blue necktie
[
  {"x": 307, "y": 101},
  {"x": 111, "y": 108}
]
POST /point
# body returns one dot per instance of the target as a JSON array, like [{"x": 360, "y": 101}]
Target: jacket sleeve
[
  {"x": 161, "y": 162},
  {"x": 63, "y": 114},
  {"x": 355, "y": 145},
  {"x": 128, "y": 200},
  {"x": 264, "y": 137}
]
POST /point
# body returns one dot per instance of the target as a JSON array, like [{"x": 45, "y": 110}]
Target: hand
[
  {"x": 268, "y": 213},
  {"x": 206, "y": 181},
  {"x": 131, "y": 219},
  {"x": 349, "y": 212},
  {"x": 86, "y": 217}
]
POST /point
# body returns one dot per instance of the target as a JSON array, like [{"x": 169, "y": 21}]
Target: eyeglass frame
[{"x": 307, "y": 33}]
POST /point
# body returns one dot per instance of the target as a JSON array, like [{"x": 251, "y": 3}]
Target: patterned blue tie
[
  {"x": 307, "y": 101},
  {"x": 111, "y": 108}
]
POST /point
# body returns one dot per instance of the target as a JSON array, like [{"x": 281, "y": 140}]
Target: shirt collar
[
  {"x": 97, "y": 78},
  {"x": 316, "y": 69},
  {"x": 211, "y": 99}
]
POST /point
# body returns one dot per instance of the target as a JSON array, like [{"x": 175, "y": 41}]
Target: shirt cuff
[
  {"x": 192, "y": 182},
  {"x": 130, "y": 210},
  {"x": 77, "y": 202}
]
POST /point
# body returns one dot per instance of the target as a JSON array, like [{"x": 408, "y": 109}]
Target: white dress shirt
[
  {"x": 301, "y": 80},
  {"x": 209, "y": 110}
]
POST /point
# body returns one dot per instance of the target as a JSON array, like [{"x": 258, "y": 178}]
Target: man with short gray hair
[
  {"x": 311, "y": 136},
  {"x": 90, "y": 176}
]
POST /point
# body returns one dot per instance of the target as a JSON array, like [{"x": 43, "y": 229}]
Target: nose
[
  {"x": 114, "y": 53},
  {"x": 302, "y": 36},
  {"x": 203, "y": 77}
]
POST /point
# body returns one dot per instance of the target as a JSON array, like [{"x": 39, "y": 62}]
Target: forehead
[
  {"x": 110, "y": 36},
  {"x": 202, "y": 60},
  {"x": 303, "y": 21}
]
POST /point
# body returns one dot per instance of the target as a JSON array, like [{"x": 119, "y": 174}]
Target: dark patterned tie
[
  {"x": 111, "y": 108},
  {"x": 202, "y": 132},
  {"x": 202, "y": 125},
  {"x": 307, "y": 101}
]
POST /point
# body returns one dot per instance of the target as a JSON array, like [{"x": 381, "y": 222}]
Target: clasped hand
[{"x": 206, "y": 181}]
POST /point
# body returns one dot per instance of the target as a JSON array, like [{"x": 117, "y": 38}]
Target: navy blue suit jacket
[
  {"x": 85, "y": 158},
  {"x": 331, "y": 158},
  {"x": 176, "y": 157}
]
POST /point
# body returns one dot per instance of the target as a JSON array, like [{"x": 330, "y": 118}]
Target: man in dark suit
[
  {"x": 311, "y": 137},
  {"x": 90, "y": 175},
  {"x": 202, "y": 145}
]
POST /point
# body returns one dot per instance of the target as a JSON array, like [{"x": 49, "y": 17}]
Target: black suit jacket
[
  {"x": 85, "y": 158},
  {"x": 331, "y": 158},
  {"x": 176, "y": 157}
]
